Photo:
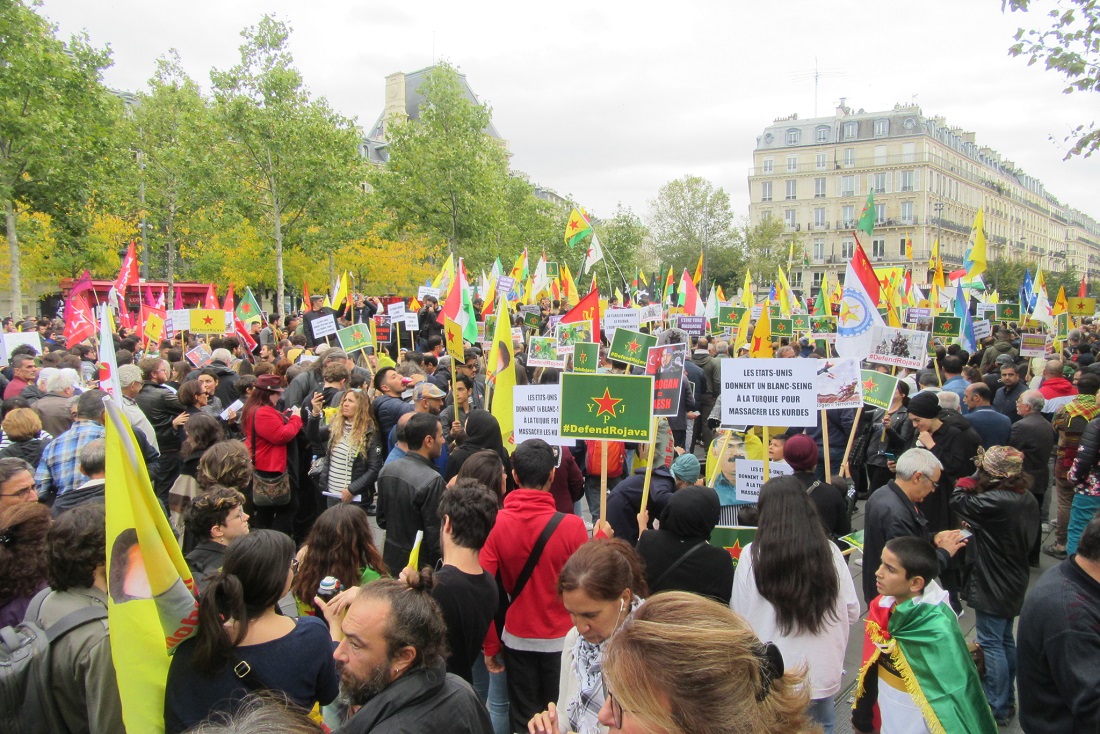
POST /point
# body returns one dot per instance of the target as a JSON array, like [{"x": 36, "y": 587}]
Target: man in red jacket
[
  {"x": 1056, "y": 389},
  {"x": 537, "y": 623}
]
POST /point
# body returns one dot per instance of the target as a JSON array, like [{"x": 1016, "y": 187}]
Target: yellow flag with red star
[
  {"x": 761, "y": 343},
  {"x": 452, "y": 332}
]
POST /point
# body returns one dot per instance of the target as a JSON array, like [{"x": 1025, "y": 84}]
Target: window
[
  {"x": 793, "y": 136},
  {"x": 908, "y": 152},
  {"x": 766, "y": 216},
  {"x": 882, "y": 128},
  {"x": 848, "y": 186},
  {"x": 849, "y": 157},
  {"x": 879, "y": 182},
  {"x": 792, "y": 163},
  {"x": 907, "y": 212},
  {"x": 901, "y": 247},
  {"x": 796, "y": 279},
  {"x": 848, "y": 214},
  {"x": 847, "y": 248},
  {"x": 769, "y": 165},
  {"x": 821, "y": 135},
  {"x": 789, "y": 218},
  {"x": 850, "y": 130},
  {"x": 880, "y": 155},
  {"x": 880, "y": 213},
  {"x": 819, "y": 188},
  {"x": 820, "y": 161},
  {"x": 819, "y": 218},
  {"x": 766, "y": 191},
  {"x": 819, "y": 251},
  {"x": 818, "y": 277},
  {"x": 907, "y": 180},
  {"x": 878, "y": 248},
  {"x": 792, "y": 189}
]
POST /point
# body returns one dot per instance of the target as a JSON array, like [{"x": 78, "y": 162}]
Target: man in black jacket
[
  {"x": 953, "y": 442},
  {"x": 317, "y": 311},
  {"x": 891, "y": 512},
  {"x": 408, "y": 495},
  {"x": 1034, "y": 435},
  {"x": 1004, "y": 517},
  {"x": 214, "y": 518},
  {"x": 392, "y": 665},
  {"x": 1059, "y": 653},
  {"x": 159, "y": 403}
]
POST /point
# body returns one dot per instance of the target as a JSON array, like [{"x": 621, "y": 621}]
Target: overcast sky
[{"x": 608, "y": 101}]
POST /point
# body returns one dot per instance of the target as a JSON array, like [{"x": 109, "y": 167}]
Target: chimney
[
  {"x": 395, "y": 100},
  {"x": 842, "y": 109}
]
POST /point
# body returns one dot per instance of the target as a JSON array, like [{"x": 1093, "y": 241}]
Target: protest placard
[
  {"x": 838, "y": 384},
  {"x": 750, "y": 477},
  {"x": 207, "y": 321},
  {"x": 325, "y": 326},
  {"x": 536, "y": 414},
  {"x": 621, "y": 318},
  {"x": 1008, "y": 312},
  {"x": 666, "y": 365},
  {"x": 1033, "y": 345},
  {"x": 732, "y": 539},
  {"x": 652, "y": 312},
  {"x": 1081, "y": 306},
  {"x": 631, "y": 347},
  {"x": 532, "y": 320},
  {"x": 396, "y": 311},
  {"x": 553, "y": 270},
  {"x": 355, "y": 337},
  {"x": 179, "y": 319},
  {"x": 769, "y": 392},
  {"x": 606, "y": 406},
  {"x": 570, "y": 334},
  {"x": 986, "y": 310},
  {"x": 543, "y": 352},
  {"x": 693, "y": 325},
  {"x": 30, "y": 338},
  {"x": 383, "y": 329},
  {"x": 898, "y": 347},
  {"x": 946, "y": 327},
  {"x": 586, "y": 357},
  {"x": 505, "y": 284},
  {"x": 412, "y": 321},
  {"x": 198, "y": 356},
  {"x": 800, "y": 321},
  {"x": 426, "y": 290},
  {"x": 878, "y": 388},
  {"x": 782, "y": 328},
  {"x": 730, "y": 316},
  {"x": 918, "y": 315},
  {"x": 982, "y": 329}
]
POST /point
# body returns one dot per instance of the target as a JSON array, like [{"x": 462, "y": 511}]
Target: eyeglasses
[
  {"x": 616, "y": 707},
  {"x": 25, "y": 492},
  {"x": 294, "y": 565}
]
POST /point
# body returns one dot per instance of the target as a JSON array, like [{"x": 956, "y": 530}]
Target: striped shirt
[{"x": 340, "y": 461}]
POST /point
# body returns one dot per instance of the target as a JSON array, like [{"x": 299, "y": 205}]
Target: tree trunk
[
  {"x": 170, "y": 256},
  {"x": 13, "y": 248},
  {"x": 276, "y": 213}
]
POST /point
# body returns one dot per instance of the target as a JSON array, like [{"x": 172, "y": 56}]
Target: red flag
[
  {"x": 177, "y": 301},
  {"x": 128, "y": 273},
  {"x": 305, "y": 298},
  {"x": 242, "y": 331},
  {"x": 230, "y": 303},
  {"x": 866, "y": 274},
  {"x": 79, "y": 323},
  {"x": 588, "y": 308},
  {"x": 1083, "y": 291},
  {"x": 84, "y": 283},
  {"x": 149, "y": 300},
  {"x": 211, "y": 298}
]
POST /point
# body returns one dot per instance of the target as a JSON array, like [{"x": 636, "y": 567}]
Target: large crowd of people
[{"x": 528, "y": 611}]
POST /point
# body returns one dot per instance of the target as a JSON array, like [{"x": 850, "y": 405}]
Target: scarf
[
  {"x": 584, "y": 708},
  {"x": 1082, "y": 406}
]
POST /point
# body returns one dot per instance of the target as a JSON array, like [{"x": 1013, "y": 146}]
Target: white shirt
[{"x": 823, "y": 653}]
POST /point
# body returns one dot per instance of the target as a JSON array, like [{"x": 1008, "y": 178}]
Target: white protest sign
[
  {"x": 898, "y": 347},
  {"x": 756, "y": 312},
  {"x": 396, "y": 311},
  {"x": 982, "y": 329},
  {"x": 839, "y": 384},
  {"x": 30, "y": 338},
  {"x": 769, "y": 392},
  {"x": 426, "y": 290},
  {"x": 983, "y": 309},
  {"x": 652, "y": 312},
  {"x": 412, "y": 321},
  {"x": 621, "y": 318},
  {"x": 235, "y": 408},
  {"x": 180, "y": 319},
  {"x": 1031, "y": 345},
  {"x": 536, "y": 414},
  {"x": 750, "y": 477},
  {"x": 324, "y": 326}
]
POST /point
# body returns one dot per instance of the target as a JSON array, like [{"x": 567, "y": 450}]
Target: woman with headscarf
[
  {"x": 678, "y": 556},
  {"x": 482, "y": 432}
]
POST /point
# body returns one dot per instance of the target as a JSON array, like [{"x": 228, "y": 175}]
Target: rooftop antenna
[{"x": 816, "y": 75}]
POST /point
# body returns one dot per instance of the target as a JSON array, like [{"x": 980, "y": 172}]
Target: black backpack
[{"x": 26, "y": 697}]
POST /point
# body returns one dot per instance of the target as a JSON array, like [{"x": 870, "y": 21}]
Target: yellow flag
[
  {"x": 698, "y": 276},
  {"x": 341, "y": 293},
  {"x": 207, "y": 321},
  {"x": 975, "y": 253},
  {"x": 937, "y": 278},
  {"x": 414, "y": 554},
  {"x": 908, "y": 247},
  {"x": 453, "y": 334},
  {"x": 761, "y": 345},
  {"x": 935, "y": 256},
  {"x": 1061, "y": 305},
  {"x": 151, "y": 607},
  {"x": 743, "y": 329},
  {"x": 446, "y": 273},
  {"x": 501, "y": 374},
  {"x": 785, "y": 294},
  {"x": 571, "y": 295},
  {"x": 747, "y": 300}
]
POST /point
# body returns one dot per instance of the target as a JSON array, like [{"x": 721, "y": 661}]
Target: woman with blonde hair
[
  {"x": 354, "y": 455},
  {"x": 23, "y": 428},
  {"x": 687, "y": 665}
]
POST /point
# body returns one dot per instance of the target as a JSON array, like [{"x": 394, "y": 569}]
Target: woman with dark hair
[
  {"x": 891, "y": 433},
  {"x": 601, "y": 585},
  {"x": 193, "y": 398},
  {"x": 482, "y": 432},
  {"x": 226, "y": 464},
  {"x": 484, "y": 466},
  {"x": 200, "y": 433},
  {"x": 354, "y": 447},
  {"x": 793, "y": 587},
  {"x": 180, "y": 371},
  {"x": 678, "y": 555},
  {"x": 239, "y": 623},
  {"x": 340, "y": 544},
  {"x": 268, "y": 433},
  {"x": 23, "y": 529}
]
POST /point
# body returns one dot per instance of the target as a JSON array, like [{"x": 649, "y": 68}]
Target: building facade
[{"x": 928, "y": 179}]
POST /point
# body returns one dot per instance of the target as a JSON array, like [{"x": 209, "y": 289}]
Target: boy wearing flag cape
[{"x": 916, "y": 665}]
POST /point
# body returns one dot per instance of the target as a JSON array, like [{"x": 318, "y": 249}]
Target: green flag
[
  {"x": 866, "y": 221},
  {"x": 730, "y": 316},
  {"x": 946, "y": 326},
  {"x": 586, "y": 357},
  {"x": 631, "y": 347},
  {"x": 854, "y": 539},
  {"x": 604, "y": 406},
  {"x": 248, "y": 310},
  {"x": 355, "y": 337},
  {"x": 732, "y": 539},
  {"x": 1008, "y": 312},
  {"x": 782, "y": 327},
  {"x": 800, "y": 321},
  {"x": 823, "y": 324},
  {"x": 878, "y": 389}
]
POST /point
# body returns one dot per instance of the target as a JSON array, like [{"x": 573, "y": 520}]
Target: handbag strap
[
  {"x": 244, "y": 673},
  {"x": 657, "y": 584},
  {"x": 536, "y": 553}
]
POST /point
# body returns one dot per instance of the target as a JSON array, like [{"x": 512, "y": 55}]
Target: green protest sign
[
  {"x": 730, "y": 316},
  {"x": 355, "y": 337},
  {"x": 553, "y": 270},
  {"x": 531, "y": 319},
  {"x": 782, "y": 327},
  {"x": 878, "y": 388},
  {"x": 606, "y": 407},
  {"x": 1062, "y": 323},
  {"x": 1008, "y": 312},
  {"x": 586, "y": 357},
  {"x": 800, "y": 321},
  {"x": 631, "y": 347},
  {"x": 732, "y": 540},
  {"x": 946, "y": 326},
  {"x": 775, "y": 312},
  {"x": 823, "y": 324}
]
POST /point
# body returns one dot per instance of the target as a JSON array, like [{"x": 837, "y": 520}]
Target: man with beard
[{"x": 392, "y": 664}]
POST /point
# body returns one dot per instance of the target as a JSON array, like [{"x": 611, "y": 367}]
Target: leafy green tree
[
  {"x": 622, "y": 238},
  {"x": 1068, "y": 46},
  {"x": 691, "y": 216},
  {"x": 55, "y": 120},
  {"x": 292, "y": 154}
]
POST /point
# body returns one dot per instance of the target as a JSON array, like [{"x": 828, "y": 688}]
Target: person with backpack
[{"x": 83, "y": 692}]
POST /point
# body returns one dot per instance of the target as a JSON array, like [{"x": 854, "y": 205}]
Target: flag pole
[
  {"x": 825, "y": 444},
  {"x": 649, "y": 467},
  {"x": 603, "y": 482}
]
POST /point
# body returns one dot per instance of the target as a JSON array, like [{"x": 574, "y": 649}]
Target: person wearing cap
[
  {"x": 1003, "y": 516},
  {"x": 954, "y": 446},
  {"x": 800, "y": 453},
  {"x": 426, "y": 398},
  {"x": 267, "y": 432},
  {"x": 625, "y": 501},
  {"x": 317, "y": 310}
]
